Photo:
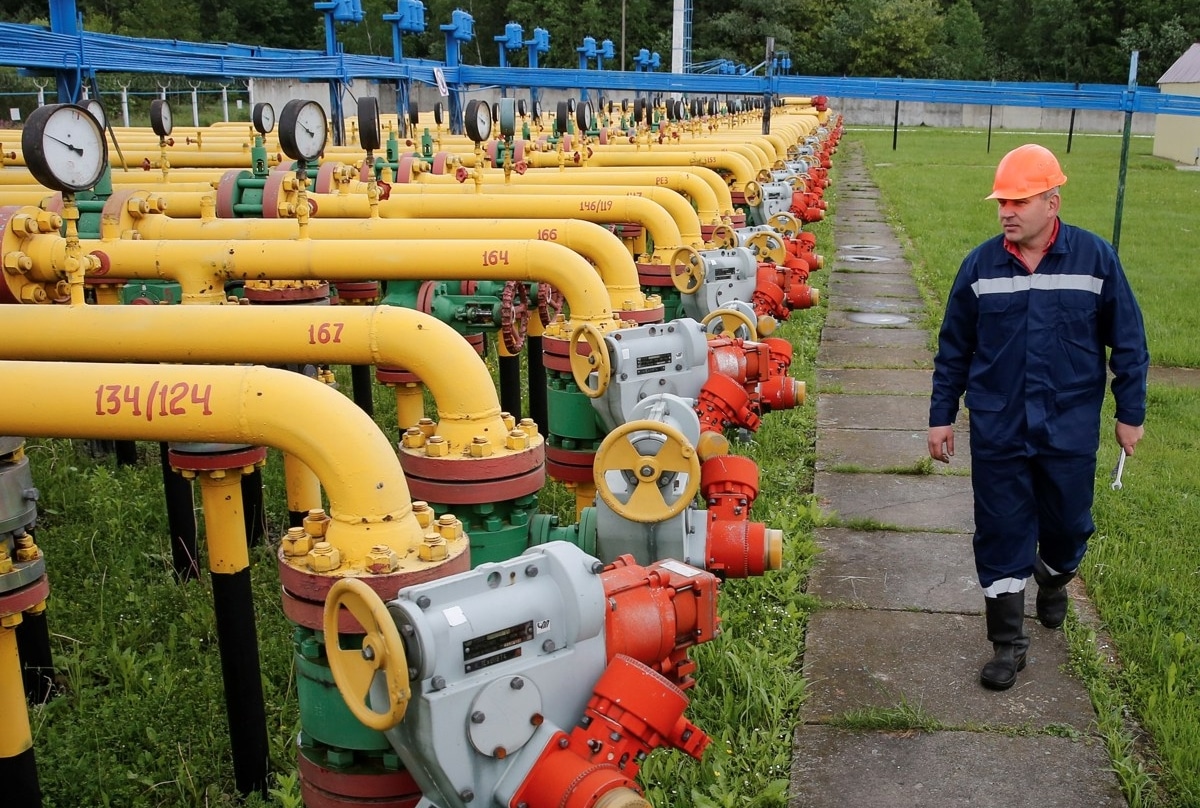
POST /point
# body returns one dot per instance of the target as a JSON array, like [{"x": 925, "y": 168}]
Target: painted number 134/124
[{"x": 161, "y": 399}]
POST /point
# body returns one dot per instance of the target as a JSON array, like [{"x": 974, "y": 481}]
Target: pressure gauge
[
  {"x": 161, "y": 120},
  {"x": 302, "y": 130},
  {"x": 507, "y": 117},
  {"x": 64, "y": 147},
  {"x": 368, "y": 123},
  {"x": 478, "y": 121},
  {"x": 263, "y": 117},
  {"x": 97, "y": 111}
]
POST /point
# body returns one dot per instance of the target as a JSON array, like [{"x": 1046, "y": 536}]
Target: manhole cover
[
  {"x": 877, "y": 319},
  {"x": 861, "y": 247},
  {"x": 864, "y": 259}
]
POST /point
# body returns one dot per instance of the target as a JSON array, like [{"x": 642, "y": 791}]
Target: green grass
[{"x": 1142, "y": 566}]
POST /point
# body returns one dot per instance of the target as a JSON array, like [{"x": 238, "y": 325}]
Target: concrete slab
[
  {"x": 855, "y": 320},
  {"x": 930, "y": 502},
  {"x": 872, "y": 412},
  {"x": 875, "y": 303},
  {"x": 836, "y": 768},
  {"x": 856, "y": 381},
  {"x": 866, "y": 658},
  {"x": 863, "y": 283},
  {"x": 883, "y": 569},
  {"x": 852, "y": 335},
  {"x": 885, "y": 450},
  {"x": 886, "y": 356},
  {"x": 851, "y": 261}
]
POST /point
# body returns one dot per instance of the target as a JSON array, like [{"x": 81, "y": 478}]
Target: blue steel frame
[{"x": 84, "y": 53}]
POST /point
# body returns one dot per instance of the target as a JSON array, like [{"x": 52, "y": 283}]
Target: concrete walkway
[{"x": 904, "y": 630}]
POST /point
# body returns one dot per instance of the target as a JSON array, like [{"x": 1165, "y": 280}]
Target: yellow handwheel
[
  {"x": 687, "y": 270},
  {"x": 785, "y": 224},
  {"x": 731, "y": 320},
  {"x": 646, "y": 503},
  {"x": 767, "y": 246},
  {"x": 354, "y": 669},
  {"x": 582, "y": 366},
  {"x": 723, "y": 237},
  {"x": 753, "y": 193},
  {"x": 764, "y": 175}
]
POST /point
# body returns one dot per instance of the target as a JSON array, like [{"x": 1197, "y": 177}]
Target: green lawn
[{"x": 1142, "y": 569}]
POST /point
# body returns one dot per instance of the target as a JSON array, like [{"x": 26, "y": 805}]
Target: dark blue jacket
[{"x": 1029, "y": 349}]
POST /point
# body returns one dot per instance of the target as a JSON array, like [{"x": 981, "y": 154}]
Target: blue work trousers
[{"x": 1030, "y": 505}]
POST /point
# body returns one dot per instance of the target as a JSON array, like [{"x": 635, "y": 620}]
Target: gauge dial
[
  {"x": 507, "y": 117},
  {"x": 368, "y": 123},
  {"x": 64, "y": 147},
  {"x": 263, "y": 117},
  {"x": 478, "y": 121},
  {"x": 161, "y": 119},
  {"x": 97, "y": 111},
  {"x": 302, "y": 130}
]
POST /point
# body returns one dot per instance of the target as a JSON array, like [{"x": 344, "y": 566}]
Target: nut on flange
[
  {"x": 324, "y": 557},
  {"x": 381, "y": 560},
  {"x": 433, "y": 548},
  {"x": 297, "y": 542}
]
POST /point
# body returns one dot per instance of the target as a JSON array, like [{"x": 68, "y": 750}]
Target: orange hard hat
[{"x": 1026, "y": 171}]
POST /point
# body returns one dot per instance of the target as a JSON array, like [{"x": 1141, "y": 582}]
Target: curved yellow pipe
[
  {"x": 750, "y": 151},
  {"x": 386, "y": 336},
  {"x": 368, "y": 495},
  {"x": 421, "y": 202},
  {"x": 202, "y": 267},
  {"x": 708, "y": 205},
  {"x": 685, "y": 218},
  {"x": 596, "y": 244},
  {"x": 738, "y": 166}
]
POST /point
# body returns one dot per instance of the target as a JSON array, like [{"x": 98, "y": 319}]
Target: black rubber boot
[
  {"x": 1005, "y": 627},
  {"x": 1052, "y": 595}
]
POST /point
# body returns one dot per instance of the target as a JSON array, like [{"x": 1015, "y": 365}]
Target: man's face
[{"x": 1027, "y": 221}]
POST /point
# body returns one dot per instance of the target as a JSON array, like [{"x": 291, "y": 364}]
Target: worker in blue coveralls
[{"x": 1027, "y": 322}]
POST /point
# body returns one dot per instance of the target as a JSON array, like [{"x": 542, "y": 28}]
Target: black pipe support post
[
  {"x": 361, "y": 381},
  {"x": 181, "y": 519},
  {"x": 237, "y": 636},
  {"x": 37, "y": 663},
  {"x": 256, "y": 512},
  {"x": 510, "y": 385},
  {"x": 237, "y": 640},
  {"x": 18, "y": 767},
  {"x": 538, "y": 406}
]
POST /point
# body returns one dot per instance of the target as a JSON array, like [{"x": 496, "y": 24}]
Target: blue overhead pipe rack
[
  {"x": 512, "y": 39},
  {"x": 336, "y": 11},
  {"x": 408, "y": 19},
  {"x": 76, "y": 54}
]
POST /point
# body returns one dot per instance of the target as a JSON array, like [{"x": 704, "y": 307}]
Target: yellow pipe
[
  {"x": 580, "y": 201},
  {"x": 422, "y": 203},
  {"x": 750, "y": 151},
  {"x": 385, "y": 336},
  {"x": 368, "y": 495},
  {"x": 708, "y": 205},
  {"x": 224, "y": 525},
  {"x": 202, "y": 267},
  {"x": 301, "y": 487},
  {"x": 16, "y": 737},
  {"x": 738, "y": 166},
  {"x": 596, "y": 244}
]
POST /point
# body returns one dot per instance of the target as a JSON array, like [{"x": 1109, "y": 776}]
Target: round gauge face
[
  {"x": 369, "y": 136},
  {"x": 263, "y": 117},
  {"x": 161, "y": 120},
  {"x": 64, "y": 147},
  {"x": 302, "y": 130},
  {"x": 478, "y": 121},
  {"x": 97, "y": 111}
]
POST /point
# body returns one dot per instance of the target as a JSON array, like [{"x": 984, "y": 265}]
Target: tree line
[{"x": 1087, "y": 41}]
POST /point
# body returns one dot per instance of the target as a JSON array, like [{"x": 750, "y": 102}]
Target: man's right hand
[{"x": 941, "y": 443}]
